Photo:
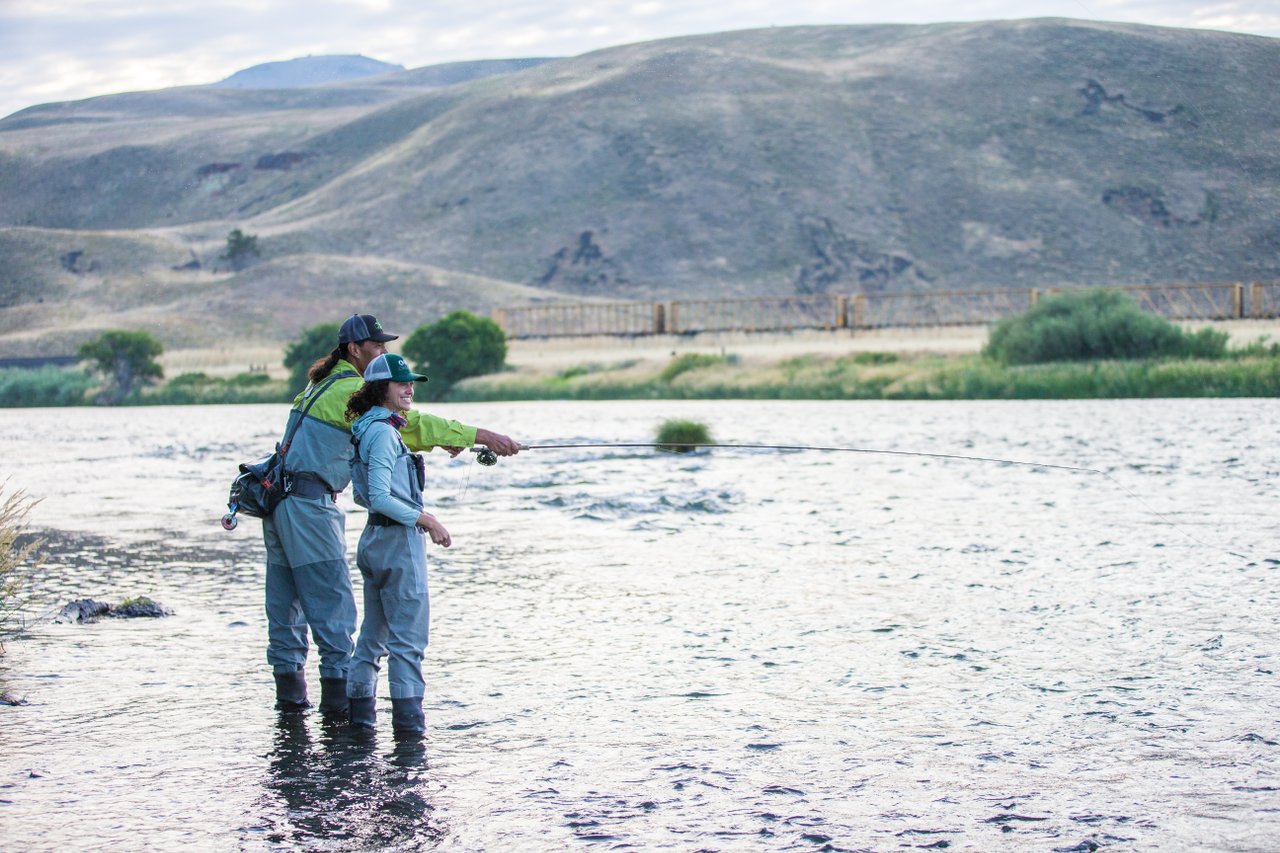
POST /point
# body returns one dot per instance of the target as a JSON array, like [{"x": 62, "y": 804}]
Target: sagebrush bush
[
  {"x": 680, "y": 435},
  {"x": 1095, "y": 324}
]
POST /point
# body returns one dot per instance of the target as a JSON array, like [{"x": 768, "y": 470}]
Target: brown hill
[{"x": 807, "y": 159}]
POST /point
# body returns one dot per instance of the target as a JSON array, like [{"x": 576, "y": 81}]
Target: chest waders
[
  {"x": 393, "y": 564},
  {"x": 307, "y": 584}
]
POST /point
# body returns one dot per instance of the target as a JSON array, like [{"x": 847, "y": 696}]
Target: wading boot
[
  {"x": 291, "y": 692},
  {"x": 363, "y": 712},
  {"x": 333, "y": 697},
  {"x": 406, "y": 716}
]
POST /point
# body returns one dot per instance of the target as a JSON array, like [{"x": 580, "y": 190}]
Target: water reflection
[{"x": 343, "y": 789}]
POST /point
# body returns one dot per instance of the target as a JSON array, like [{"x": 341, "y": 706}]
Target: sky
[{"x": 60, "y": 50}]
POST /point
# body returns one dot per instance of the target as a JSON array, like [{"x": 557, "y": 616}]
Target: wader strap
[{"x": 283, "y": 447}]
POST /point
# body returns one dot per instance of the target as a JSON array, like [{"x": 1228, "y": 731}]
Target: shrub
[
  {"x": 44, "y": 386},
  {"x": 454, "y": 347},
  {"x": 679, "y": 436},
  {"x": 1095, "y": 324}
]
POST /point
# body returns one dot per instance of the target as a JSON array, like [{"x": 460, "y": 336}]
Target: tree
[
  {"x": 126, "y": 360},
  {"x": 454, "y": 347},
  {"x": 315, "y": 343},
  {"x": 241, "y": 249}
]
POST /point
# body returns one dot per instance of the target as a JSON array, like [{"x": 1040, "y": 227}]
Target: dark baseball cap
[{"x": 363, "y": 327}]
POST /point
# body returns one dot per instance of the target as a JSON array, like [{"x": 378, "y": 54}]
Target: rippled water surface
[{"x": 739, "y": 650}]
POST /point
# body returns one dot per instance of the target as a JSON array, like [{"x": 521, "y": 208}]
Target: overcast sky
[{"x": 57, "y": 50}]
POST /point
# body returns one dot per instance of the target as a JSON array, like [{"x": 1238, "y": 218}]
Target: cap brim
[{"x": 383, "y": 337}]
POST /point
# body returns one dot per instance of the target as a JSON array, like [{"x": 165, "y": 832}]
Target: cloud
[{"x": 70, "y": 49}]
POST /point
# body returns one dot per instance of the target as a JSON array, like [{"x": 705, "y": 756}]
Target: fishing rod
[{"x": 485, "y": 456}]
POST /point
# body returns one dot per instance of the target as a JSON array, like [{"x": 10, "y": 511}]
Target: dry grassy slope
[{"x": 782, "y": 160}]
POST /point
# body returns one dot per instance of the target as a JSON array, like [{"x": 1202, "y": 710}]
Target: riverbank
[
  {"x": 891, "y": 364},
  {"x": 872, "y": 375}
]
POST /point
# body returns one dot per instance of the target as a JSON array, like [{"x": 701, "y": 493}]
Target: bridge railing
[{"x": 1221, "y": 301}]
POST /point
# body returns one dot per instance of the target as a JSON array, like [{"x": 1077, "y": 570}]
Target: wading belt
[
  {"x": 377, "y": 519},
  {"x": 311, "y": 486}
]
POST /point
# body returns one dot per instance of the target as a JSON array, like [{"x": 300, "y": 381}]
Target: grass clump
[
  {"x": 680, "y": 436},
  {"x": 690, "y": 361},
  {"x": 13, "y": 525},
  {"x": 1092, "y": 325},
  {"x": 873, "y": 358}
]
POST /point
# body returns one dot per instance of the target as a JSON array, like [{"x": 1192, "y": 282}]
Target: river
[{"x": 734, "y": 650}]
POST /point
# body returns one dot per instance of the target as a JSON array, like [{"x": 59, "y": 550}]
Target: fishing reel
[{"x": 485, "y": 456}]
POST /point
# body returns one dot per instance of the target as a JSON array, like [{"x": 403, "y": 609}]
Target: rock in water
[
  {"x": 88, "y": 610},
  {"x": 84, "y": 610},
  {"x": 136, "y": 608}
]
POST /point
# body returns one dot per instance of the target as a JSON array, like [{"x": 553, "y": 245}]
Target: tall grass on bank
[
  {"x": 14, "y": 510},
  {"x": 44, "y": 386}
]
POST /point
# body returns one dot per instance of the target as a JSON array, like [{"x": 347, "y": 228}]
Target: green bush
[
  {"x": 680, "y": 436},
  {"x": 315, "y": 343},
  {"x": 183, "y": 380},
  {"x": 454, "y": 347},
  {"x": 689, "y": 361},
  {"x": 1095, "y": 324},
  {"x": 44, "y": 386}
]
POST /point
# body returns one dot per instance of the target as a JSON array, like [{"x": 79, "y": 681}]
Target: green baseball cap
[{"x": 393, "y": 367}]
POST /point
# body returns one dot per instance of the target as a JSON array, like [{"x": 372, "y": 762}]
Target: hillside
[{"x": 812, "y": 159}]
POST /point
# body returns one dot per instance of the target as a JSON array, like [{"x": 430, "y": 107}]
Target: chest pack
[{"x": 262, "y": 484}]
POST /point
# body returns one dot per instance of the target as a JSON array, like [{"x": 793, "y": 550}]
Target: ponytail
[{"x": 324, "y": 366}]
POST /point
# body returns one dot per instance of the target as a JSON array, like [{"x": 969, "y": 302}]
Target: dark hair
[
  {"x": 370, "y": 394},
  {"x": 322, "y": 367}
]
